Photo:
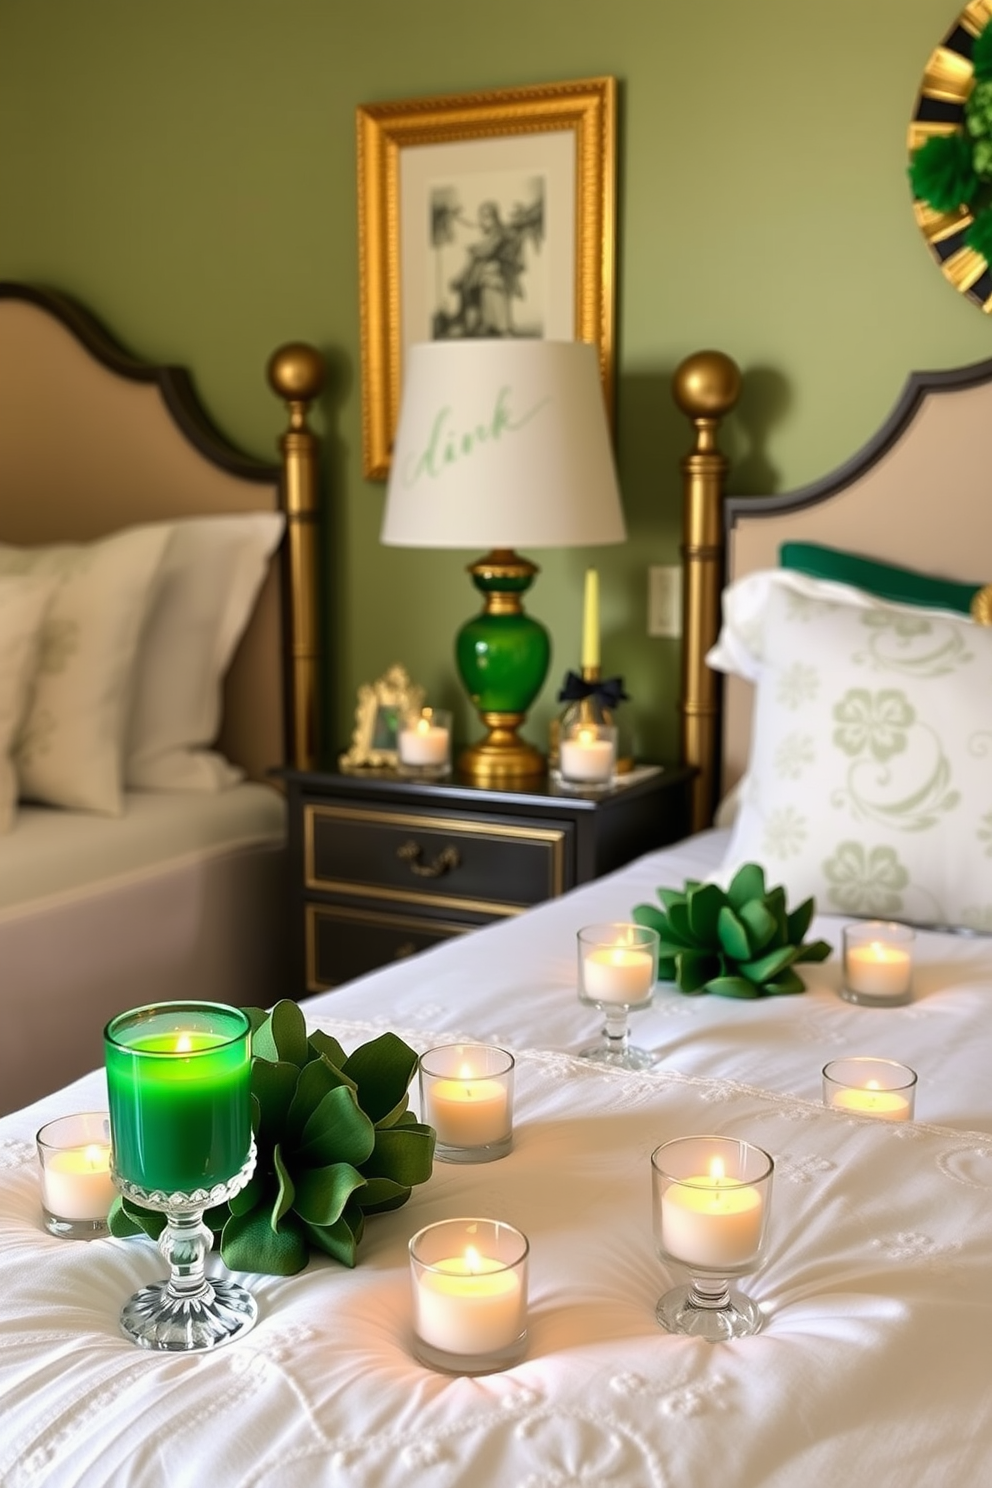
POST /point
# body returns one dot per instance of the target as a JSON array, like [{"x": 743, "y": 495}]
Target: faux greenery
[
  {"x": 955, "y": 170},
  {"x": 336, "y": 1142},
  {"x": 741, "y": 942}
]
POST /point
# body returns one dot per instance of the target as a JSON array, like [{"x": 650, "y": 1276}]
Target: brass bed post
[
  {"x": 296, "y": 372},
  {"x": 705, "y": 386}
]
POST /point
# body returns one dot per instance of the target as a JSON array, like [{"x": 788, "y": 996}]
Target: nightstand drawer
[
  {"x": 342, "y": 943},
  {"x": 428, "y": 858}
]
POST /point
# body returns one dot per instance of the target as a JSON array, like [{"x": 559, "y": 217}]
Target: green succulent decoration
[
  {"x": 738, "y": 942},
  {"x": 336, "y": 1142},
  {"x": 953, "y": 171}
]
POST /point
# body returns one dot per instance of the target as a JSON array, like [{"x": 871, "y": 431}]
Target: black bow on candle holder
[{"x": 608, "y": 691}]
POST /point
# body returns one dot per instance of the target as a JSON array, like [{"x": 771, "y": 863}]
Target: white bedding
[
  {"x": 98, "y": 914},
  {"x": 873, "y": 1365}
]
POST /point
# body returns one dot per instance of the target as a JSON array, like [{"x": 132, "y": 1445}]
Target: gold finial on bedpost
[
  {"x": 705, "y": 386},
  {"x": 296, "y": 372}
]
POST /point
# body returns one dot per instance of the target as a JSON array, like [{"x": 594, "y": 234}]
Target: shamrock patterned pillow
[{"x": 869, "y": 781}]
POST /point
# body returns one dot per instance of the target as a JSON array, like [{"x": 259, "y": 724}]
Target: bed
[
  {"x": 872, "y": 1362},
  {"x": 159, "y": 661}
]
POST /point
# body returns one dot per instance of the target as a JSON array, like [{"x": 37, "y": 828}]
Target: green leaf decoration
[
  {"x": 336, "y": 1142},
  {"x": 942, "y": 172},
  {"x": 732, "y": 935},
  {"x": 704, "y": 905},
  {"x": 740, "y": 942},
  {"x": 981, "y": 55},
  {"x": 979, "y": 233}
]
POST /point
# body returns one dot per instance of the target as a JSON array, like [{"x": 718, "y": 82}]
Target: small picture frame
[{"x": 382, "y": 706}]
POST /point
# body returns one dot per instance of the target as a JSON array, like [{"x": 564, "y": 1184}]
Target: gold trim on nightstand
[
  {"x": 346, "y": 915},
  {"x": 551, "y": 838}
]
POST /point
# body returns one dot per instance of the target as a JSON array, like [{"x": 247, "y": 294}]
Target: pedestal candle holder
[
  {"x": 618, "y": 968},
  {"x": 179, "y": 1085},
  {"x": 711, "y": 1198}
]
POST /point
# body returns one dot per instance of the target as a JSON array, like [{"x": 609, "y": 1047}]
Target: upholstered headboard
[
  {"x": 917, "y": 494},
  {"x": 93, "y": 440}
]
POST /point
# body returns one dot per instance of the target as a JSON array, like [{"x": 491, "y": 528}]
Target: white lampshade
[{"x": 502, "y": 444}]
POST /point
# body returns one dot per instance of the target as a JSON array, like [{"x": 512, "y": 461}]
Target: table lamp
[{"x": 502, "y": 444}]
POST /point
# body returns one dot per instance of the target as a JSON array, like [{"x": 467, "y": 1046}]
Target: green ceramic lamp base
[{"x": 503, "y": 656}]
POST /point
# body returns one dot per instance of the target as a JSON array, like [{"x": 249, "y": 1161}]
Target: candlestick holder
[
  {"x": 618, "y": 968},
  {"x": 711, "y": 1198},
  {"x": 178, "y": 1079}
]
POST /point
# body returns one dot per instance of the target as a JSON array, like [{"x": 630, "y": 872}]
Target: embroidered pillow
[
  {"x": 23, "y": 602},
  {"x": 71, "y": 745},
  {"x": 208, "y": 584},
  {"x": 869, "y": 782}
]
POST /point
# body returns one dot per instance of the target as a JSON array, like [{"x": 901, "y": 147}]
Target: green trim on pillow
[{"x": 885, "y": 580}]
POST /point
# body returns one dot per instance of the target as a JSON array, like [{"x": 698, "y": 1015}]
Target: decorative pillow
[
  {"x": 23, "y": 603},
  {"x": 208, "y": 584},
  {"x": 868, "y": 784},
  {"x": 884, "y": 580},
  {"x": 70, "y": 747}
]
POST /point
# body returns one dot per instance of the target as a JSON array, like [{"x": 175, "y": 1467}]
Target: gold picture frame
[
  {"x": 546, "y": 157},
  {"x": 381, "y": 707}
]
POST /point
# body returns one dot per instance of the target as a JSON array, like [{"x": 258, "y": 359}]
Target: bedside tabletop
[{"x": 382, "y": 866}]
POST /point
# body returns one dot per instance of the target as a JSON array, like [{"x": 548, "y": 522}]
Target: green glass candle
[{"x": 179, "y": 1088}]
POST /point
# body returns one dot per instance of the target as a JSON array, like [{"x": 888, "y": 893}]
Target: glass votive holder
[
  {"x": 469, "y": 1280},
  {"x": 865, "y": 1086},
  {"x": 587, "y": 755},
  {"x": 423, "y": 744},
  {"x": 877, "y": 969},
  {"x": 466, "y": 1095},
  {"x": 711, "y": 1198},
  {"x": 77, "y": 1189}
]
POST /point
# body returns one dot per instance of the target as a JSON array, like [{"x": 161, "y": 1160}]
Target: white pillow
[
  {"x": 23, "y": 602},
  {"x": 869, "y": 783},
  {"x": 208, "y": 584},
  {"x": 70, "y": 747}
]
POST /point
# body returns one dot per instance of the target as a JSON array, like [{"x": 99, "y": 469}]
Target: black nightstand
[{"x": 382, "y": 867}]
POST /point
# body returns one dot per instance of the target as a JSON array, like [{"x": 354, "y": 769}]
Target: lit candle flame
[
  {"x": 95, "y": 1156},
  {"x": 184, "y": 1044},
  {"x": 473, "y": 1261},
  {"x": 873, "y": 1085},
  {"x": 586, "y": 736},
  {"x": 717, "y": 1171},
  {"x": 423, "y": 725}
]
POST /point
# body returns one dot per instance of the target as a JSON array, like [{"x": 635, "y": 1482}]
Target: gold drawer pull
[{"x": 411, "y": 853}]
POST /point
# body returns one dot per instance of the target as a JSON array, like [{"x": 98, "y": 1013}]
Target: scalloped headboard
[
  {"x": 92, "y": 440},
  {"x": 917, "y": 494}
]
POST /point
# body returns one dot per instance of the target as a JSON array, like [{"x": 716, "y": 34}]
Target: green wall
[{"x": 187, "y": 169}]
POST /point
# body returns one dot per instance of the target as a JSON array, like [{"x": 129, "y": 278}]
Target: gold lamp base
[{"x": 502, "y": 758}]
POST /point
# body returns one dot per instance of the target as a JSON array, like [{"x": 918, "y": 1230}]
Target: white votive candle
[
  {"x": 887, "y": 1105},
  {"x": 586, "y": 757},
  {"x": 878, "y": 962},
  {"x": 469, "y": 1281},
  {"x": 76, "y": 1184},
  {"x": 424, "y": 743},
  {"x": 466, "y": 1095},
  {"x": 867, "y": 1086},
  {"x": 469, "y": 1304},
  {"x": 618, "y": 973},
  {"x": 467, "y": 1111},
  {"x": 710, "y": 1221}
]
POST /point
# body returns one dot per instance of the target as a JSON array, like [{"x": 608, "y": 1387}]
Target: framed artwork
[
  {"x": 382, "y": 706},
  {"x": 483, "y": 214}
]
